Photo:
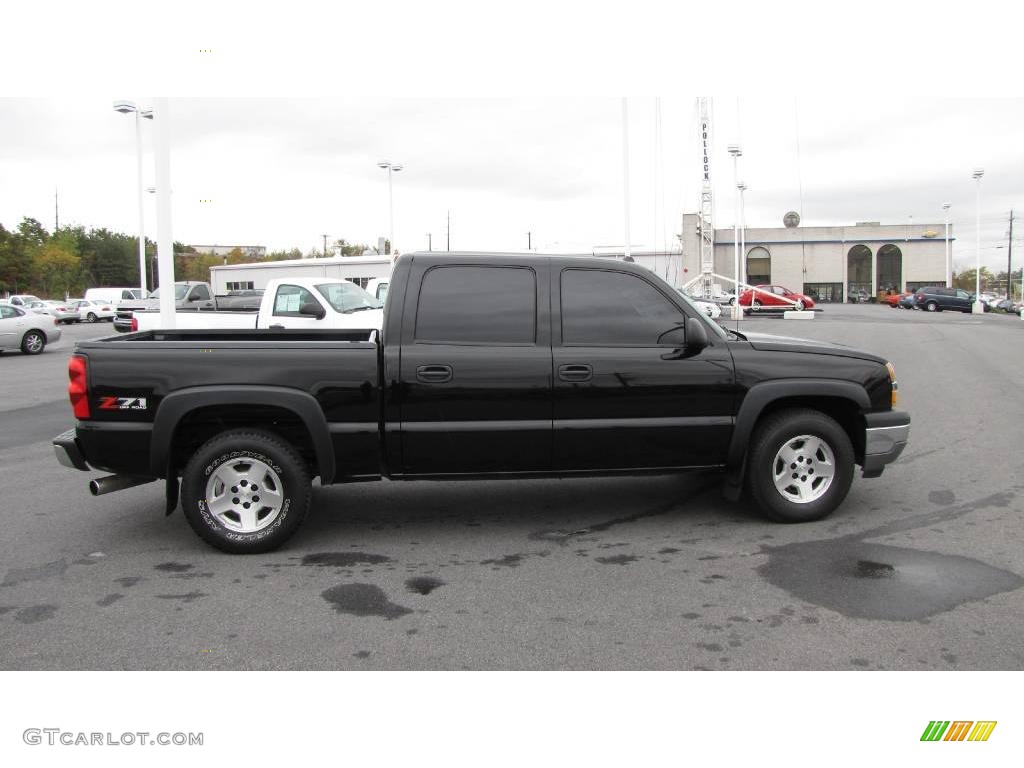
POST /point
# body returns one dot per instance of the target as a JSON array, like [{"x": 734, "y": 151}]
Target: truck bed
[{"x": 336, "y": 372}]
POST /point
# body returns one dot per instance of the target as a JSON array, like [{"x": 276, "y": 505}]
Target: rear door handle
[
  {"x": 434, "y": 374},
  {"x": 575, "y": 372}
]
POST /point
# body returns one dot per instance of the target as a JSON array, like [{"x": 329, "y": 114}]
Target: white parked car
[
  {"x": 27, "y": 331},
  {"x": 709, "y": 308},
  {"x": 94, "y": 311}
]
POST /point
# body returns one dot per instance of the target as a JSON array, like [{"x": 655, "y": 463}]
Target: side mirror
[
  {"x": 313, "y": 309},
  {"x": 691, "y": 343}
]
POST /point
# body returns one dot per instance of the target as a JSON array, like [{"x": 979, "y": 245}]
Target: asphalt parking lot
[{"x": 919, "y": 569}]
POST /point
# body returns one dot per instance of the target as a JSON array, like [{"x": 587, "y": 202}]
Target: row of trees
[
  {"x": 73, "y": 258},
  {"x": 993, "y": 283}
]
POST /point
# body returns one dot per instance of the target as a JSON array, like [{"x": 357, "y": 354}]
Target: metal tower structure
[{"x": 705, "y": 223}]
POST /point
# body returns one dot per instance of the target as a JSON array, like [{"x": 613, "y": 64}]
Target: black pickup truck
[{"x": 487, "y": 366}]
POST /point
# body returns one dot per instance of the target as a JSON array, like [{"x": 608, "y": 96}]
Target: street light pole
[
  {"x": 736, "y": 152},
  {"x": 126, "y": 107},
  {"x": 390, "y": 167},
  {"x": 978, "y": 307},
  {"x": 949, "y": 261},
  {"x": 430, "y": 242},
  {"x": 743, "y": 219}
]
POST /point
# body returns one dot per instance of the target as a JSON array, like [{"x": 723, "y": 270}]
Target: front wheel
[
  {"x": 33, "y": 342},
  {"x": 800, "y": 465},
  {"x": 245, "y": 491}
]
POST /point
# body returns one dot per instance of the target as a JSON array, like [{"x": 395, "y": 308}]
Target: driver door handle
[
  {"x": 575, "y": 372},
  {"x": 434, "y": 374}
]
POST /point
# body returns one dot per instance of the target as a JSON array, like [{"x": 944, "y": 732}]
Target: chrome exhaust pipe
[{"x": 112, "y": 483}]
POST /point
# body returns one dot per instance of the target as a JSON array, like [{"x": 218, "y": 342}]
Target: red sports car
[{"x": 774, "y": 296}]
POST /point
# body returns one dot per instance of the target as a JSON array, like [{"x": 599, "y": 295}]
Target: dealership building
[{"x": 829, "y": 264}]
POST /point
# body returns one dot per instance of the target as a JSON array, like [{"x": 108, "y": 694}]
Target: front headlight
[{"x": 892, "y": 380}]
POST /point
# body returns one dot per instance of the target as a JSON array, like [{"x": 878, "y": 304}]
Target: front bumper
[
  {"x": 65, "y": 445},
  {"x": 884, "y": 440}
]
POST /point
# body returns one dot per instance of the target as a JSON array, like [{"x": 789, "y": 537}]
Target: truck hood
[{"x": 770, "y": 343}]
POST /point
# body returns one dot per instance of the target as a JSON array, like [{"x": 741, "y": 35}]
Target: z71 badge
[{"x": 122, "y": 403}]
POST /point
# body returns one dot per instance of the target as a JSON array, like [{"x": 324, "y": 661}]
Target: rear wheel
[
  {"x": 931, "y": 306},
  {"x": 33, "y": 342},
  {"x": 800, "y": 465},
  {"x": 245, "y": 491},
  {"x": 91, "y": 317},
  {"x": 799, "y": 306}
]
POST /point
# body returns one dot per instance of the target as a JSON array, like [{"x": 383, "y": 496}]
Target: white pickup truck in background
[{"x": 288, "y": 302}]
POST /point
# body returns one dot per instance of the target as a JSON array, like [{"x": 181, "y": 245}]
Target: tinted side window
[
  {"x": 478, "y": 305},
  {"x": 201, "y": 292},
  {"x": 614, "y": 309},
  {"x": 8, "y": 312},
  {"x": 289, "y": 300}
]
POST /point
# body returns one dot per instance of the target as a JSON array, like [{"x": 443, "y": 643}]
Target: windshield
[
  {"x": 179, "y": 292},
  {"x": 348, "y": 297}
]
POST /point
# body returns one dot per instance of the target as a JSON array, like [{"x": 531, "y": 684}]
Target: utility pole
[
  {"x": 430, "y": 242},
  {"x": 529, "y": 241},
  {"x": 325, "y": 246},
  {"x": 1009, "y": 256},
  {"x": 448, "y": 232},
  {"x": 56, "y": 212}
]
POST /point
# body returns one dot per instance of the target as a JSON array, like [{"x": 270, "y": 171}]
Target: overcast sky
[{"x": 282, "y": 172}]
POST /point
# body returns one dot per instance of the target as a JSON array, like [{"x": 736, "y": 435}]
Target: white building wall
[{"x": 803, "y": 255}]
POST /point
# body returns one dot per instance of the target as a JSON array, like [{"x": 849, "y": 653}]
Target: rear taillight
[
  {"x": 105, "y": 309},
  {"x": 55, "y": 321},
  {"x": 78, "y": 389},
  {"x": 135, "y": 323}
]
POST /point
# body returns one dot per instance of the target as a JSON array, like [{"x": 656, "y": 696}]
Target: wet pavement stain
[
  {"x": 713, "y": 647},
  {"x": 343, "y": 559},
  {"x": 363, "y": 600},
  {"x": 362, "y": 654},
  {"x": 36, "y": 573},
  {"x": 103, "y": 602},
  {"x": 188, "y": 597},
  {"x": 128, "y": 581},
  {"x": 508, "y": 561},
  {"x": 173, "y": 567},
  {"x": 668, "y": 551},
  {"x": 35, "y": 613},
  {"x": 423, "y": 585},
  {"x": 878, "y": 581},
  {"x": 616, "y": 560},
  {"x": 942, "y": 498}
]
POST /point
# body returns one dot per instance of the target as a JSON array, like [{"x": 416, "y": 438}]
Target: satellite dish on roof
[{"x": 791, "y": 220}]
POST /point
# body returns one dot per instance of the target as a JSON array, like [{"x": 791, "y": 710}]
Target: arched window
[
  {"x": 890, "y": 269},
  {"x": 759, "y": 266},
  {"x": 858, "y": 273}
]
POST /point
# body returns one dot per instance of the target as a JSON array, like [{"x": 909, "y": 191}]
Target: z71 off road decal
[{"x": 122, "y": 403}]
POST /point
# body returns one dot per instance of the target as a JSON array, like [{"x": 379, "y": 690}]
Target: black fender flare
[
  {"x": 175, "y": 406},
  {"x": 760, "y": 396}
]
